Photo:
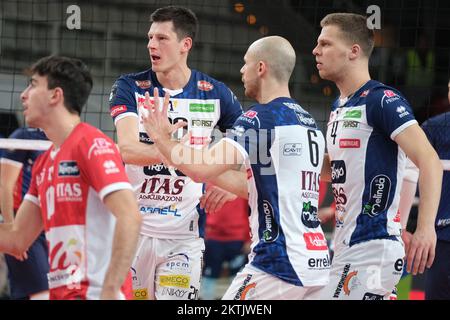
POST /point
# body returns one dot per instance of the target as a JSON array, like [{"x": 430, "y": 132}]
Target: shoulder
[
  {"x": 135, "y": 79},
  {"x": 207, "y": 83},
  {"x": 380, "y": 95}
]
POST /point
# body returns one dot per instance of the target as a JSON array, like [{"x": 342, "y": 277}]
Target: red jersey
[{"x": 69, "y": 185}]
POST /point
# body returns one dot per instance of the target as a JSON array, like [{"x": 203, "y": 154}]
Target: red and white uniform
[{"x": 69, "y": 185}]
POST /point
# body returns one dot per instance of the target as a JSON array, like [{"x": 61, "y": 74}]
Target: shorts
[
  {"x": 365, "y": 271},
  {"x": 437, "y": 280},
  {"x": 254, "y": 284},
  {"x": 166, "y": 269},
  {"x": 29, "y": 276},
  {"x": 218, "y": 252}
]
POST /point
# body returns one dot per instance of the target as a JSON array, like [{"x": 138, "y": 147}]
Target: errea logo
[{"x": 402, "y": 111}]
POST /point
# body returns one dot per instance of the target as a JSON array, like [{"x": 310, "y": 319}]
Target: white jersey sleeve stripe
[
  {"x": 401, "y": 128},
  {"x": 125, "y": 115},
  {"x": 114, "y": 187},
  {"x": 33, "y": 199}
]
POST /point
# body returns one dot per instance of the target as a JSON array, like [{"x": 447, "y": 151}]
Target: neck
[
  {"x": 175, "y": 78},
  {"x": 354, "y": 79},
  {"x": 60, "y": 128},
  {"x": 271, "y": 90}
]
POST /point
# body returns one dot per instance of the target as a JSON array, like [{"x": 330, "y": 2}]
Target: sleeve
[
  {"x": 122, "y": 102},
  {"x": 389, "y": 112},
  {"x": 247, "y": 137},
  {"x": 15, "y": 156},
  {"x": 32, "y": 193},
  {"x": 101, "y": 164},
  {"x": 230, "y": 109}
]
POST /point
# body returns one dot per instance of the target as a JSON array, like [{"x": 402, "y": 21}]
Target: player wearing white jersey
[
  {"x": 169, "y": 258},
  {"x": 370, "y": 132},
  {"x": 279, "y": 149}
]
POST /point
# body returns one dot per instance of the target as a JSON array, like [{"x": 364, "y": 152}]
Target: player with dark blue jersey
[
  {"x": 168, "y": 200},
  {"x": 273, "y": 158},
  {"x": 27, "y": 278},
  {"x": 370, "y": 132}
]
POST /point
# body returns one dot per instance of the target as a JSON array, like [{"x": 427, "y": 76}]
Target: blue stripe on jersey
[{"x": 380, "y": 183}]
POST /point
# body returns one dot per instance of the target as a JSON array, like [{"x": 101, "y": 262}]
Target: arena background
[{"x": 412, "y": 46}]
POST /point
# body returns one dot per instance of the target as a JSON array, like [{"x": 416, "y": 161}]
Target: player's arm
[
  {"x": 233, "y": 181},
  {"x": 123, "y": 206},
  {"x": 9, "y": 172},
  {"x": 131, "y": 149},
  {"x": 17, "y": 237},
  {"x": 325, "y": 173},
  {"x": 415, "y": 144}
]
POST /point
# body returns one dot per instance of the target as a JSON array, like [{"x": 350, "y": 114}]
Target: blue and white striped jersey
[
  {"x": 367, "y": 165},
  {"x": 283, "y": 151}
]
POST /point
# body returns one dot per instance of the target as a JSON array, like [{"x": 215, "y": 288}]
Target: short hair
[
  {"x": 354, "y": 29},
  {"x": 184, "y": 21},
  {"x": 71, "y": 75}
]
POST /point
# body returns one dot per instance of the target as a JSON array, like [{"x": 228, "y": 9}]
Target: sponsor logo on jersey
[
  {"x": 161, "y": 169},
  {"x": 380, "y": 188},
  {"x": 144, "y": 138},
  {"x": 246, "y": 289},
  {"x": 203, "y": 85},
  {"x": 202, "y": 107},
  {"x": 202, "y": 123},
  {"x": 309, "y": 215},
  {"x": 271, "y": 231},
  {"x": 101, "y": 146},
  {"x": 310, "y": 181},
  {"x": 143, "y": 84},
  {"x": 140, "y": 294},
  {"x": 110, "y": 167},
  {"x": 397, "y": 217},
  {"x": 348, "y": 282},
  {"x": 250, "y": 114},
  {"x": 365, "y": 93},
  {"x": 338, "y": 171},
  {"x": 401, "y": 110},
  {"x": 171, "y": 210},
  {"x": 68, "y": 192},
  {"x": 198, "y": 141},
  {"x": 177, "y": 280},
  {"x": 294, "y": 106},
  {"x": 292, "y": 149},
  {"x": 164, "y": 189},
  {"x": 372, "y": 296},
  {"x": 319, "y": 263},
  {"x": 305, "y": 119},
  {"x": 389, "y": 93},
  {"x": 315, "y": 241},
  {"x": 116, "y": 110},
  {"x": 348, "y": 124},
  {"x": 353, "y": 114},
  {"x": 441, "y": 223},
  {"x": 179, "y": 262},
  {"x": 173, "y": 292},
  {"x": 68, "y": 169},
  {"x": 349, "y": 143}
]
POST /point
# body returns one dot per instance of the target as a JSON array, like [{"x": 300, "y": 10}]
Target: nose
[
  {"x": 242, "y": 70},
  {"x": 24, "y": 94},
  {"x": 315, "y": 51}
]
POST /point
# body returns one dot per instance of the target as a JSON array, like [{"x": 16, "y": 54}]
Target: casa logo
[
  {"x": 140, "y": 294},
  {"x": 338, "y": 171},
  {"x": 203, "y": 85},
  {"x": 348, "y": 124},
  {"x": 110, "y": 167},
  {"x": 178, "y": 281},
  {"x": 380, "y": 188},
  {"x": 179, "y": 262},
  {"x": 101, "y": 146},
  {"x": 250, "y": 114},
  {"x": 68, "y": 169},
  {"x": 365, "y": 93},
  {"x": 198, "y": 141},
  {"x": 116, "y": 110},
  {"x": 402, "y": 111},
  {"x": 143, "y": 84},
  {"x": 398, "y": 267},
  {"x": 349, "y": 143},
  {"x": 309, "y": 215},
  {"x": 246, "y": 290},
  {"x": 315, "y": 241},
  {"x": 202, "y": 107},
  {"x": 201, "y": 123},
  {"x": 166, "y": 211},
  {"x": 292, "y": 149},
  {"x": 353, "y": 114},
  {"x": 348, "y": 282},
  {"x": 238, "y": 131},
  {"x": 319, "y": 263},
  {"x": 372, "y": 296},
  {"x": 271, "y": 231}
]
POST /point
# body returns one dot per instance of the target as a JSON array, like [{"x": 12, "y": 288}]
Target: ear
[
  {"x": 57, "y": 96},
  {"x": 187, "y": 44},
  {"x": 355, "y": 52},
  {"x": 262, "y": 68}
]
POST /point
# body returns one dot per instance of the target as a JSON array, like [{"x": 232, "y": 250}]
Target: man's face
[
  {"x": 250, "y": 77},
  {"x": 36, "y": 100},
  {"x": 164, "y": 47},
  {"x": 331, "y": 53}
]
